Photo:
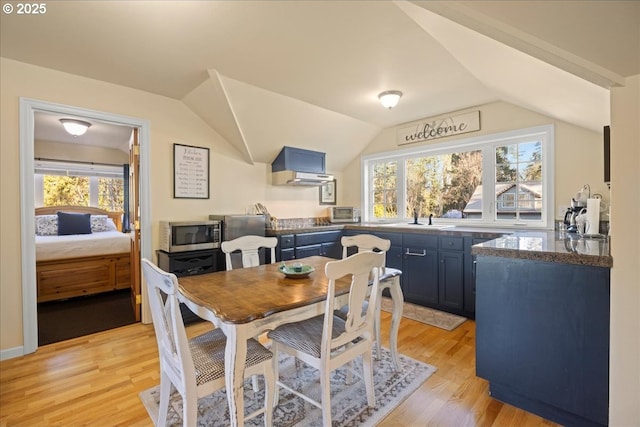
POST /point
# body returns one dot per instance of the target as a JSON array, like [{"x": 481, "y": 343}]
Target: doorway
[{"x": 28, "y": 109}]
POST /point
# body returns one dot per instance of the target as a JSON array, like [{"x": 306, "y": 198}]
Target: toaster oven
[{"x": 343, "y": 214}]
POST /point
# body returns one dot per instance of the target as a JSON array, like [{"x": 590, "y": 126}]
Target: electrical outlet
[{"x": 562, "y": 209}]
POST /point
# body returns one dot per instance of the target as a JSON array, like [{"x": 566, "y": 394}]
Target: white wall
[{"x": 624, "y": 364}]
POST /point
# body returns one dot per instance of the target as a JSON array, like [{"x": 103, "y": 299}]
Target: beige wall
[
  {"x": 578, "y": 151},
  {"x": 235, "y": 185},
  {"x": 624, "y": 408},
  {"x": 81, "y": 153}
]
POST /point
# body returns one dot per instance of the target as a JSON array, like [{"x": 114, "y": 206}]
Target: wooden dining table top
[{"x": 246, "y": 294}]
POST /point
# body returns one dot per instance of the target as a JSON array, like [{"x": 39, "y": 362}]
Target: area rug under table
[
  {"x": 348, "y": 401},
  {"x": 429, "y": 316}
]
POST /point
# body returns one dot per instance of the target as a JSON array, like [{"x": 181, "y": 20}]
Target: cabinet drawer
[
  {"x": 419, "y": 241},
  {"x": 319, "y": 237},
  {"x": 286, "y": 241},
  {"x": 453, "y": 243}
]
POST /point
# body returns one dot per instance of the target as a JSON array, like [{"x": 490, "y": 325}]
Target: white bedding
[{"x": 81, "y": 245}]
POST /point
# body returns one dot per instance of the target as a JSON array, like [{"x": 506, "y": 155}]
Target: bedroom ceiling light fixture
[
  {"x": 75, "y": 127},
  {"x": 389, "y": 98}
]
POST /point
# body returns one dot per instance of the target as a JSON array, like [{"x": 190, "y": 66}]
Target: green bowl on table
[{"x": 295, "y": 271}]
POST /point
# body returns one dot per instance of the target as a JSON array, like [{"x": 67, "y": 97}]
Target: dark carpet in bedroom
[{"x": 76, "y": 317}]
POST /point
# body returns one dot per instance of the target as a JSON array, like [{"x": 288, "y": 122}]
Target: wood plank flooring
[{"x": 95, "y": 381}]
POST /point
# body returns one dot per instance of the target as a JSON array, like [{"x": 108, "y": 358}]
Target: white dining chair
[
  {"x": 249, "y": 247},
  {"x": 326, "y": 341},
  {"x": 195, "y": 367},
  {"x": 389, "y": 279}
]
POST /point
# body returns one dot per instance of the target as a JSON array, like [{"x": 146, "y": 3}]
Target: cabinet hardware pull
[{"x": 424, "y": 253}]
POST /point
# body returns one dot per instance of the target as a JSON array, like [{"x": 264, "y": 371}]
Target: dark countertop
[
  {"x": 551, "y": 246},
  {"x": 300, "y": 230}
]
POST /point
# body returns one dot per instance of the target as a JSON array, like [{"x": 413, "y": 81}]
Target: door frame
[{"x": 28, "y": 108}]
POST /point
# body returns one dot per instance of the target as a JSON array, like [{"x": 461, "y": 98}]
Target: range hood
[
  {"x": 301, "y": 167},
  {"x": 288, "y": 177}
]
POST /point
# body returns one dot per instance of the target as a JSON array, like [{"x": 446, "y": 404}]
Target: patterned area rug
[
  {"x": 432, "y": 317},
  {"x": 348, "y": 401}
]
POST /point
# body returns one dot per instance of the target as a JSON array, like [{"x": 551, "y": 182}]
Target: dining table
[{"x": 246, "y": 302}]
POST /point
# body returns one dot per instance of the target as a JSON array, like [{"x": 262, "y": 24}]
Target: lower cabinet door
[
  {"x": 420, "y": 275},
  {"x": 451, "y": 279}
]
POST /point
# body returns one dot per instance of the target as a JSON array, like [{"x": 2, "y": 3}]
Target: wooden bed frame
[{"x": 72, "y": 277}]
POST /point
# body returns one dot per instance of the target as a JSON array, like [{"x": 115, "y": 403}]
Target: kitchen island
[{"x": 542, "y": 324}]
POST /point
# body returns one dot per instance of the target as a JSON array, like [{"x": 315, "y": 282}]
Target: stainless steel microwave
[
  {"x": 338, "y": 214},
  {"x": 182, "y": 236}
]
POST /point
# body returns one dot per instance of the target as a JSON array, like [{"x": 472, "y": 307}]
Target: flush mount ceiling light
[
  {"x": 75, "y": 127},
  {"x": 390, "y": 98}
]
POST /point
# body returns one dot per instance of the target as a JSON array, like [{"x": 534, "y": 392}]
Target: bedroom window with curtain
[
  {"x": 79, "y": 184},
  {"x": 502, "y": 179}
]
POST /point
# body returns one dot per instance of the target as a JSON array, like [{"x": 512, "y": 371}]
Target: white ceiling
[{"x": 270, "y": 73}]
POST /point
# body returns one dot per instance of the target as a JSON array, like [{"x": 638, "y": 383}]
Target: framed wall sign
[
  {"x": 190, "y": 172},
  {"x": 328, "y": 193}
]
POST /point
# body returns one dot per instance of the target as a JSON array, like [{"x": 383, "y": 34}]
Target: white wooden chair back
[
  {"x": 173, "y": 346},
  {"x": 362, "y": 267},
  {"x": 249, "y": 246},
  {"x": 364, "y": 242}
]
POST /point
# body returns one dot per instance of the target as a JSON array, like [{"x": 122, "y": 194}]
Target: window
[
  {"x": 503, "y": 179},
  {"x": 79, "y": 184}
]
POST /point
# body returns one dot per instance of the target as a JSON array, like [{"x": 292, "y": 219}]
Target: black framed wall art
[
  {"x": 328, "y": 193},
  {"x": 190, "y": 172}
]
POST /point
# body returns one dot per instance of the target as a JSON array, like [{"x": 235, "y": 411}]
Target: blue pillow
[{"x": 73, "y": 223}]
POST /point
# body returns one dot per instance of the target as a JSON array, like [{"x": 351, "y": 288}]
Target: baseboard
[{"x": 12, "y": 353}]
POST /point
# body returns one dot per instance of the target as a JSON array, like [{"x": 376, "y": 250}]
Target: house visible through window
[
  {"x": 503, "y": 178},
  {"x": 79, "y": 184}
]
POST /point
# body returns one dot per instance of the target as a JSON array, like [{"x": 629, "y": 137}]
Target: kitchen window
[{"x": 502, "y": 179}]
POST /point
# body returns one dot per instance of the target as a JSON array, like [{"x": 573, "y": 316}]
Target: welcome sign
[{"x": 439, "y": 128}]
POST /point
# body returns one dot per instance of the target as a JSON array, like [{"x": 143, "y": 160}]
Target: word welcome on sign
[{"x": 439, "y": 128}]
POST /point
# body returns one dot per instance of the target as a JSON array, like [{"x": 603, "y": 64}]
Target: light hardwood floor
[{"x": 95, "y": 381}]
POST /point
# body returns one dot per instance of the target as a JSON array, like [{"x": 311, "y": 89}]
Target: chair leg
[
  {"x": 376, "y": 321},
  {"x": 367, "y": 366},
  {"x": 189, "y": 410},
  {"x": 165, "y": 393},
  {"x": 325, "y": 400},
  {"x": 254, "y": 384},
  {"x": 398, "y": 303},
  {"x": 274, "y": 371},
  {"x": 269, "y": 395}
]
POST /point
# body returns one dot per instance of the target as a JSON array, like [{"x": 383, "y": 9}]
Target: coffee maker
[
  {"x": 578, "y": 206},
  {"x": 570, "y": 217}
]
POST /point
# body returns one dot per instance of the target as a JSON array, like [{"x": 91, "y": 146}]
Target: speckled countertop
[{"x": 550, "y": 246}]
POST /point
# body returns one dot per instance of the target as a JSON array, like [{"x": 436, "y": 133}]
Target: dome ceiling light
[
  {"x": 389, "y": 98},
  {"x": 75, "y": 127}
]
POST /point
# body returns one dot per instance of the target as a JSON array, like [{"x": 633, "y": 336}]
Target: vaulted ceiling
[{"x": 265, "y": 74}]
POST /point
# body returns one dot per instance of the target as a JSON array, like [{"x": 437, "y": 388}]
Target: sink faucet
[
  {"x": 430, "y": 216},
  {"x": 415, "y": 216}
]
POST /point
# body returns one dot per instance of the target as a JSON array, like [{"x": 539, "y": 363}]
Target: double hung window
[{"x": 502, "y": 179}]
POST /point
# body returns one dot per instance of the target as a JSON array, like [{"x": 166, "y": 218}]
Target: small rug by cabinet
[
  {"x": 348, "y": 401},
  {"x": 432, "y": 317}
]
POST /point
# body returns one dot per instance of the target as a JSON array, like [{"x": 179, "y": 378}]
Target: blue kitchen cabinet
[
  {"x": 542, "y": 337},
  {"x": 323, "y": 243},
  {"x": 420, "y": 269}
]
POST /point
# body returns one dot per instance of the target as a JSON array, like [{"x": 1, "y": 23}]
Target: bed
[{"x": 84, "y": 263}]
